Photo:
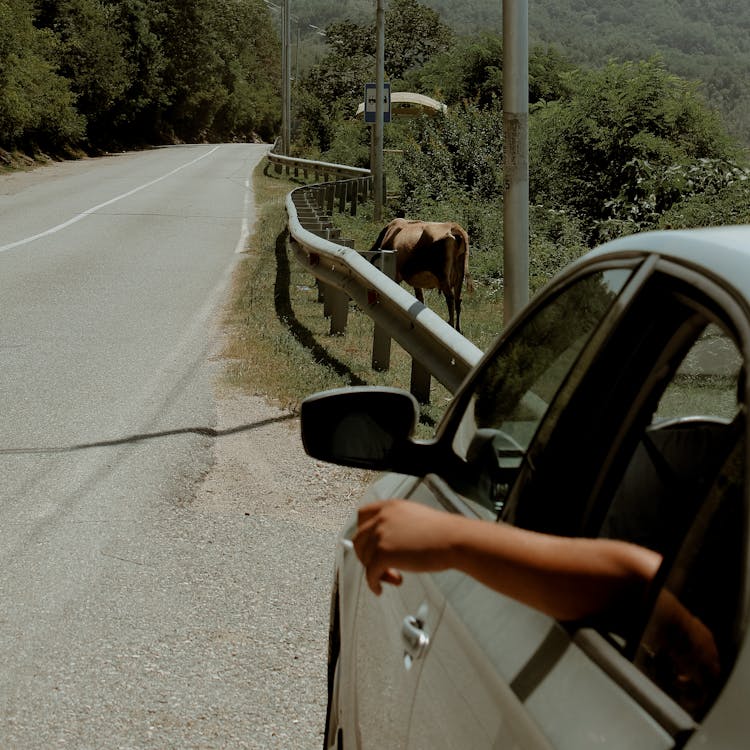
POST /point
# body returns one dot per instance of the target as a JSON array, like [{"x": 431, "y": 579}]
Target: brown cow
[{"x": 430, "y": 255}]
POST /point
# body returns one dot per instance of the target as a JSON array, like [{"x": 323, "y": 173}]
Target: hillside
[{"x": 704, "y": 40}]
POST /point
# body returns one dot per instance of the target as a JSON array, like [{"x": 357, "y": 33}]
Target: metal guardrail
[
  {"x": 317, "y": 168},
  {"x": 436, "y": 348}
]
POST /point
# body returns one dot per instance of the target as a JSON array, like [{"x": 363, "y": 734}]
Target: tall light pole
[
  {"x": 377, "y": 144},
  {"x": 286, "y": 73},
  {"x": 516, "y": 155}
]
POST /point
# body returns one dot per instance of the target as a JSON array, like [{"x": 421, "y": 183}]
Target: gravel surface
[{"x": 287, "y": 510}]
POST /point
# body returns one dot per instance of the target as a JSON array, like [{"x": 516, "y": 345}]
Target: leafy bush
[
  {"x": 458, "y": 152},
  {"x": 728, "y": 204},
  {"x": 616, "y": 149},
  {"x": 350, "y": 144}
]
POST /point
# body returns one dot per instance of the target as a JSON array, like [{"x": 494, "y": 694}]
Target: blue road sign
[{"x": 371, "y": 102}]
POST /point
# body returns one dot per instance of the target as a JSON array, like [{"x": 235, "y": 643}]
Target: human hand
[
  {"x": 680, "y": 654},
  {"x": 399, "y": 534}
]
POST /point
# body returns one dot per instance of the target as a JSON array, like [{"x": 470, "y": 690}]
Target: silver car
[{"x": 613, "y": 406}]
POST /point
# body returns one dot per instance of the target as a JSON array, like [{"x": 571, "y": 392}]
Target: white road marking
[{"x": 94, "y": 209}]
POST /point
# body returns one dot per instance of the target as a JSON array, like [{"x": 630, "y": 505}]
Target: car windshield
[{"x": 514, "y": 390}]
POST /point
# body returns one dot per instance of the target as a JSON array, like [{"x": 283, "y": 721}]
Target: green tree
[
  {"x": 136, "y": 117},
  {"x": 250, "y": 71},
  {"x": 36, "y": 104},
  {"x": 221, "y": 60},
  {"x": 334, "y": 87},
  {"x": 89, "y": 52},
  {"x": 413, "y": 34},
  {"x": 472, "y": 70}
]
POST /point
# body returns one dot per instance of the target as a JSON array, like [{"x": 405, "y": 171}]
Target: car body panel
[{"x": 348, "y": 587}]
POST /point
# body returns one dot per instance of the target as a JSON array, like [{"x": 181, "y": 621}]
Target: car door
[
  {"x": 671, "y": 477},
  {"x": 660, "y": 362},
  {"x": 394, "y": 632},
  {"x": 487, "y": 647}
]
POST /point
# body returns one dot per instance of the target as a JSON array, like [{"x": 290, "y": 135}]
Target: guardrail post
[
  {"x": 420, "y": 382},
  {"x": 342, "y": 196},
  {"x": 381, "y": 341},
  {"x": 355, "y": 195},
  {"x": 330, "y": 194},
  {"x": 338, "y": 304}
]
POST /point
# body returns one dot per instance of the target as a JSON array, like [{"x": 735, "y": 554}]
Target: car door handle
[{"x": 415, "y": 639}]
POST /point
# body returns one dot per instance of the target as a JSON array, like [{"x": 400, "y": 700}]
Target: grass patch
[{"x": 279, "y": 343}]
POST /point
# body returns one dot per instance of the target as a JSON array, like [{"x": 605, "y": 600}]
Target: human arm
[{"x": 567, "y": 578}]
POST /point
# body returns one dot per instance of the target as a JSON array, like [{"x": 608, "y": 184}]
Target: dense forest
[
  {"x": 102, "y": 74},
  {"x": 701, "y": 40}
]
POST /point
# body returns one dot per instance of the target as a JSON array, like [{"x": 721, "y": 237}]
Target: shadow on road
[{"x": 140, "y": 437}]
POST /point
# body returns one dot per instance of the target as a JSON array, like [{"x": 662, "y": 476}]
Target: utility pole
[
  {"x": 516, "y": 155},
  {"x": 286, "y": 71},
  {"x": 377, "y": 144}
]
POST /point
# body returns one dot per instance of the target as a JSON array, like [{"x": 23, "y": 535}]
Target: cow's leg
[
  {"x": 418, "y": 294},
  {"x": 450, "y": 300},
  {"x": 458, "y": 314}
]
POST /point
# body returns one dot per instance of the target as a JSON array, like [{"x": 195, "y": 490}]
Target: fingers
[
  {"x": 400, "y": 534},
  {"x": 367, "y": 512},
  {"x": 367, "y": 545},
  {"x": 392, "y": 576}
]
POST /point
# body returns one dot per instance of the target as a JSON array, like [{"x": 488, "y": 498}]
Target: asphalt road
[{"x": 128, "y": 616}]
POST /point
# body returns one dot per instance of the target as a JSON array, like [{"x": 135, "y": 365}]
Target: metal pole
[
  {"x": 377, "y": 155},
  {"x": 286, "y": 70},
  {"x": 516, "y": 150}
]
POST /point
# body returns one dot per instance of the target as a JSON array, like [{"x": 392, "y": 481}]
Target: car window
[
  {"x": 693, "y": 633},
  {"x": 514, "y": 390},
  {"x": 706, "y": 382},
  {"x": 681, "y": 494},
  {"x": 681, "y": 446}
]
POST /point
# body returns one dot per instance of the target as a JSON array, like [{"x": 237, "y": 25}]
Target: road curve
[{"x": 122, "y": 621}]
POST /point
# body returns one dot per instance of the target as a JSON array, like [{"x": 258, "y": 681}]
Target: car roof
[{"x": 722, "y": 252}]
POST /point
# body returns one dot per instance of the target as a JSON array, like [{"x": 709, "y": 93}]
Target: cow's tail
[
  {"x": 468, "y": 281},
  {"x": 376, "y": 245}
]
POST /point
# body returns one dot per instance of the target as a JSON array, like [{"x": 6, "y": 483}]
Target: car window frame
[
  {"x": 653, "y": 273},
  {"x": 722, "y": 306}
]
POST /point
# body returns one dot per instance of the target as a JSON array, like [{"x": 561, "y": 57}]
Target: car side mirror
[{"x": 365, "y": 427}]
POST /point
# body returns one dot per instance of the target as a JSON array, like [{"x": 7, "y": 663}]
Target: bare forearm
[{"x": 566, "y": 578}]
